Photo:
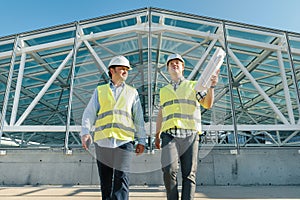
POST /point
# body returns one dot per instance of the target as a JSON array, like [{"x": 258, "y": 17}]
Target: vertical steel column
[
  {"x": 285, "y": 88},
  {"x": 150, "y": 78},
  {"x": 293, "y": 70},
  {"x": 71, "y": 85},
  {"x": 230, "y": 78},
  {"x": 8, "y": 85},
  {"x": 18, "y": 88}
]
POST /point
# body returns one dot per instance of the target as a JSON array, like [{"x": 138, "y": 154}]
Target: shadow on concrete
[
  {"x": 92, "y": 192},
  {"x": 249, "y": 192}
]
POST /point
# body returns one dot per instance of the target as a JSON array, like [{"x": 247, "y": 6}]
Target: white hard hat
[
  {"x": 119, "y": 61},
  {"x": 174, "y": 56}
]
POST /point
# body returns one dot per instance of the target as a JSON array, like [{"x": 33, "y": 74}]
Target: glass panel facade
[{"x": 256, "y": 99}]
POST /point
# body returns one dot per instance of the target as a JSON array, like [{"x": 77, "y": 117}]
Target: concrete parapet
[{"x": 217, "y": 166}]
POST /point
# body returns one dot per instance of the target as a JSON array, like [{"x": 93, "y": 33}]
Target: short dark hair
[{"x": 109, "y": 73}]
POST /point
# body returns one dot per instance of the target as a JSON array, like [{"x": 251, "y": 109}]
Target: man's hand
[
  {"x": 214, "y": 78},
  {"x": 86, "y": 141},
  {"x": 157, "y": 142},
  {"x": 139, "y": 149}
]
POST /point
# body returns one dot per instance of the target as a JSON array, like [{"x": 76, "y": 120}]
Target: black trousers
[{"x": 113, "y": 168}]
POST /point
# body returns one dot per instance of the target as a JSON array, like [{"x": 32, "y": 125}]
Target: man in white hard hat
[
  {"x": 178, "y": 126},
  {"x": 115, "y": 110}
]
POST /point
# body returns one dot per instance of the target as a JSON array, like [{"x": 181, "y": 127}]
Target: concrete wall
[{"x": 255, "y": 166}]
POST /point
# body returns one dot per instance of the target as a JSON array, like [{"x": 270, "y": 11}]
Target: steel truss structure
[{"x": 47, "y": 76}]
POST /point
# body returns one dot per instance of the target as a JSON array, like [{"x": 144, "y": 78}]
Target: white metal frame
[{"x": 16, "y": 125}]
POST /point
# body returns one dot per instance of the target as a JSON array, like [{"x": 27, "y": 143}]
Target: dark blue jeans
[
  {"x": 113, "y": 168},
  {"x": 184, "y": 151}
]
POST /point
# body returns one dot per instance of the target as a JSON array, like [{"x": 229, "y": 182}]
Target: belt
[{"x": 179, "y": 131}]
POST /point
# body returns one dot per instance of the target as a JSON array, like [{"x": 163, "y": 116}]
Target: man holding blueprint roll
[{"x": 178, "y": 126}]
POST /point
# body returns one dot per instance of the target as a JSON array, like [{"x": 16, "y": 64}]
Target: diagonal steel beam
[{"x": 45, "y": 88}]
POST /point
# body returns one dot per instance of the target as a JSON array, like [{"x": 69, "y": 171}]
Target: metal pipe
[
  {"x": 71, "y": 85},
  {"x": 7, "y": 91},
  {"x": 18, "y": 89},
  {"x": 285, "y": 88},
  {"x": 230, "y": 78},
  {"x": 150, "y": 77},
  {"x": 293, "y": 71}
]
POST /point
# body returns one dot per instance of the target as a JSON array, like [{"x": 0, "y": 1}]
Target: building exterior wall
[{"x": 259, "y": 166}]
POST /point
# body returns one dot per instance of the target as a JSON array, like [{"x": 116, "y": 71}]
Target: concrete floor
[{"x": 147, "y": 193}]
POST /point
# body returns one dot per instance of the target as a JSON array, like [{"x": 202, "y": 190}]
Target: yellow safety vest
[
  {"x": 180, "y": 108},
  {"x": 114, "y": 117}
]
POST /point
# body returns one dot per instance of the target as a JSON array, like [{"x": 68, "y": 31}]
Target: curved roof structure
[{"x": 47, "y": 76}]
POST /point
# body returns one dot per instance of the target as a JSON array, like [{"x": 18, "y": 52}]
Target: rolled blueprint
[{"x": 211, "y": 68}]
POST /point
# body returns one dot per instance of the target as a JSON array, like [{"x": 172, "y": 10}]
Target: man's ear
[{"x": 111, "y": 69}]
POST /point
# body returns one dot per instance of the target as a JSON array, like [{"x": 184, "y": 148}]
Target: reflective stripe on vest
[
  {"x": 114, "y": 117},
  {"x": 180, "y": 108}
]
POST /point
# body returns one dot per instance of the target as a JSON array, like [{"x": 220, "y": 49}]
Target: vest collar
[
  {"x": 111, "y": 84},
  {"x": 176, "y": 84}
]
